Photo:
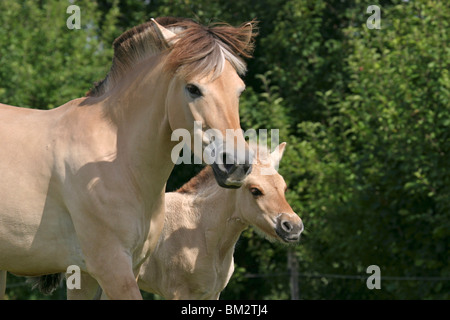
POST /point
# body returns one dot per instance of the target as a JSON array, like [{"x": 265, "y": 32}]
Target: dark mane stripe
[
  {"x": 198, "y": 182},
  {"x": 128, "y": 49}
]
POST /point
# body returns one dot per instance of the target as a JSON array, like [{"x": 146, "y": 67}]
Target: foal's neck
[{"x": 218, "y": 218}]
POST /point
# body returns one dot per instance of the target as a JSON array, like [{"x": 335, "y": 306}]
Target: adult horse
[{"x": 83, "y": 184}]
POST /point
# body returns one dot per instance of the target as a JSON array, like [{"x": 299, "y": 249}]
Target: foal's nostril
[{"x": 287, "y": 226}]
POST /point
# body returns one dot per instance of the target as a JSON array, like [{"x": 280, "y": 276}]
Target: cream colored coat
[
  {"x": 83, "y": 184},
  {"x": 194, "y": 255}
]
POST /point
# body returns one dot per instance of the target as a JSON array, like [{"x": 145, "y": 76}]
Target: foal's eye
[
  {"x": 256, "y": 192},
  {"x": 194, "y": 91}
]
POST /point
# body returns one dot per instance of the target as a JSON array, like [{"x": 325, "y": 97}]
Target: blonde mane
[{"x": 196, "y": 49}]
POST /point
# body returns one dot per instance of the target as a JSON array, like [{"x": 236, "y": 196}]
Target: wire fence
[
  {"x": 311, "y": 276},
  {"x": 16, "y": 285},
  {"x": 346, "y": 276}
]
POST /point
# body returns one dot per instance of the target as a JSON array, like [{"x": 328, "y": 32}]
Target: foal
[{"x": 194, "y": 256}]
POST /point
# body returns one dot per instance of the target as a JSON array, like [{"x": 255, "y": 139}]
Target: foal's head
[{"x": 261, "y": 201}]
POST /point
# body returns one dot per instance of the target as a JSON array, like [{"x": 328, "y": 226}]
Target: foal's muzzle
[
  {"x": 289, "y": 227},
  {"x": 230, "y": 171}
]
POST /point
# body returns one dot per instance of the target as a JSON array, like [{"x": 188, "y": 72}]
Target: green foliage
[
  {"x": 367, "y": 161},
  {"x": 365, "y": 113},
  {"x": 43, "y": 63},
  {"x": 376, "y": 170}
]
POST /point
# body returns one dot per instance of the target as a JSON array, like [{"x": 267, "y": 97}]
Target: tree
[
  {"x": 375, "y": 170},
  {"x": 45, "y": 64}
]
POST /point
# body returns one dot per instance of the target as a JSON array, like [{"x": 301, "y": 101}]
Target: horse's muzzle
[
  {"x": 289, "y": 227},
  {"x": 229, "y": 173}
]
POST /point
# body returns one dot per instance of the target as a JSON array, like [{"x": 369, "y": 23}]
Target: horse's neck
[
  {"x": 219, "y": 221},
  {"x": 137, "y": 107}
]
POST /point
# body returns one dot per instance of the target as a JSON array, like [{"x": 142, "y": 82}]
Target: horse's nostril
[
  {"x": 224, "y": 158},
  {"x": 228, "y": 167},
  {"x": 287, "y": 226},
  {"x": 227, "y": 164},
  {"x": 247, "y": 168}
]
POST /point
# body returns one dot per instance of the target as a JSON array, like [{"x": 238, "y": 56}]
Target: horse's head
[
  {"x": 204, "y": 92},
  {"x": 262, "y": 203}
]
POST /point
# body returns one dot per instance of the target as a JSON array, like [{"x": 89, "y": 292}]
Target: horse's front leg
[
  {"x": 113, "y": 269},
  {"x": 107, "y": 251}
]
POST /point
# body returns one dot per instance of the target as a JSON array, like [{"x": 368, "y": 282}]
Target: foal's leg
[{"x": 2, "y": 284}]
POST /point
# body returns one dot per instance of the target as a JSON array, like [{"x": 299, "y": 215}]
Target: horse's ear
[
  {"x": 164, "y": 33},
  {"x": 277, "y": 154}
]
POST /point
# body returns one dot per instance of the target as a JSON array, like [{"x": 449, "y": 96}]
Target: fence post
[
  {"x": 293, "y": 273},
  {"x": 2, "y": 284}
]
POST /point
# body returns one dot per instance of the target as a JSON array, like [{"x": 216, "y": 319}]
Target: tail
[{"x": 46, "y": 284}]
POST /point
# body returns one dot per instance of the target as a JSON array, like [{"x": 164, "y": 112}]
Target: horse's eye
[
  {"x": 194, "y": 91},
  {"x": 256, "y": 192}
]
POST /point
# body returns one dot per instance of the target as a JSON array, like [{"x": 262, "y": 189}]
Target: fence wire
[
  {"x": 345, "y": 276},
  {"x": 310, "y": 275}
]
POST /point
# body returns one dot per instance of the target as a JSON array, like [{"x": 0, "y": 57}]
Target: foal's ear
[
  {"x": 277, "y": 154},
  {"x": 164, "y": 33}
]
